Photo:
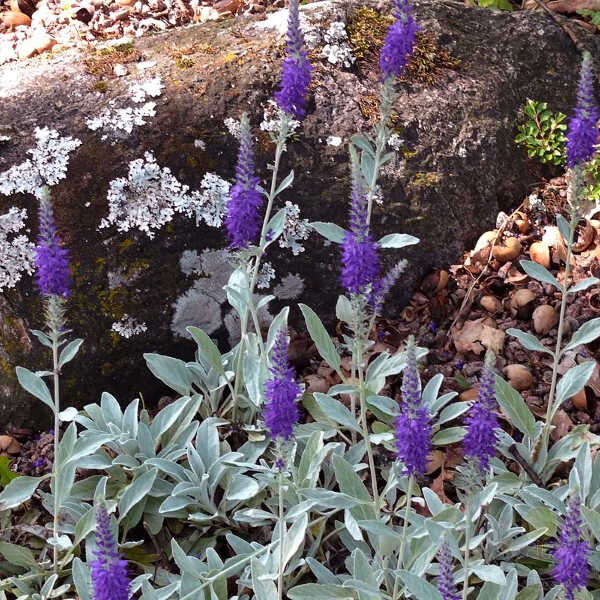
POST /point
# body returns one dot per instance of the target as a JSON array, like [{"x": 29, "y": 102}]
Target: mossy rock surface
[{"x": 457, "y": 113}]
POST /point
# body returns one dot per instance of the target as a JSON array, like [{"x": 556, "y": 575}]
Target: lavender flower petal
[
  {"x": 582, "y": 132},
  {"x": 482, "y": 420},
  {"x": 399, "y": 42},
  {"x": 282, "y": 390},
  {"x": 243, "y": 217},
  {"x": 446, "y": 583},
  {"x": 110, "y": 579},
  {"x": 413, "y": 426},
  {"x": 295, "y": 78},
  {"x": 52, "y": 261},
  {"x": 571, "y": 569}
]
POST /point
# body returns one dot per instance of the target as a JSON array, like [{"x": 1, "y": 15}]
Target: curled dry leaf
[
  {"x": 475, "y": 336},
  {"x": 555, "y": 242},
  {"x": 8, "y": 445},
  {"x": 585, "y": 236}
]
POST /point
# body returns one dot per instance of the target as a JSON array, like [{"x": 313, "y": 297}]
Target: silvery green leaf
[
  {"x": 529, "y": 341},
  {"x": 453, "y": 412},
  {"x": 285, "y": 183},
  {"x": 592, "y": 518},
  {"x": 85, "y": 525},
  {"x": 490, "y": 573},
  {"x": 380, "y": 529},
  {"x": 431, "y": 391},
  {"x": 88, "y": 444},
  {"x": 361, "y": 142},
  {"x": 384, "y": 404},
  {"x": 237, "y": 290},
  {"x": 167, "y": 416},
  {"x": 264, "y": 301},
  {"x": 583, "y": 466},
  {"x": 451, "y": 435},
  {"x": 254, "y": 516},
  {"x": 572, "y": 382},
  {"x": 19, "y": 490},
  {"x": 524, "y": 540},
  {"x": 352, "y": 526},
  {"x": 397, "y": 240},
  {"x": 336, "y": 411},
  {"x": 19, "y": 555},
  {"x": 207, "y": 348},
  {"x": 323, "y": 574},
  {"x": 367, "y": 166},
  {"x": 278, "y": 323},
  {"x": 540, "y": 273},
  {"x": 530, "y": 592},
  {"x": 294, "y": 538},
  {"x": 263, "y": 588},
  {"x": 241, "y": 487},
  {"x": 515, "y": 408},
  {"x": 334, "y": 233},
  {"x": 308, "y": 468},
  {"x": 135, "y": 492},
  {"x": 68, "y": 414},
  {"x": 111, "y": 410},
  {"x": 207, "y": 443},
  {"x": 331, "y": 499},
  {"x": 433, "y": 501},
  {"x": 275, "y": 226},
  {"x": 542, "y": 517},
  {"x": 48, "y": 586},
  {"x": 563, "y": 226},
  {"x": 322, "y": 591},
  {"x": 343, "y": 388},
  {"x": 419, "y": 587},
  {"x": 35, "y": 385},
  {"x": 588, "y": 332},
  {"x": 351, "y": 484},
  {"x": 68, "y": 352},
  {"x": 171, "y": 371},
  {"x": 44, "y": 339},
  {"x": 584, "y": 284},
  {"x": 343, "y": 310},
  {"x": 321, "y": 338},
  {"x": 62, "y": 542}
]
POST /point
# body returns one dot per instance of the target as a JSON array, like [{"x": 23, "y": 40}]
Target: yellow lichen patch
[
  {"x": 184, "y": 62},
  {"x": 102, "y": 61},
  {"x": 421, "y": 179},
  {"x": 366, "y": 32},
  {"x": 429, "y": 61},
  {"x": 101, "y": 86},
  {"x": 369, "y": 107}
]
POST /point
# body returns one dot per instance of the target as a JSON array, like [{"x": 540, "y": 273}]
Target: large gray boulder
[{"x": 457, "y": 166}]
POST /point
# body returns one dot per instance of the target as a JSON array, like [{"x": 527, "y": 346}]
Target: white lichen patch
[
  {"x": 395, "y": 142},
  {"x": 152, "y": 88},
  {"x": 334, "y": 140},
  {"x": 122, "y": 119},
  {"x": 17, "y": 253},
  {"x": 295, "y": 229},
  {"x": 272, "y": 116},
  {"x": 210, "y": 204},
  {"x": 200, "y": 144},
  {"x": 190, "y": 262},
  {"x": 197, "y": 309},
  {"x": 265, "y": 275},
  {"x": 290, "y": 288},
  {"x": 233, "y": 126},
  {"x": 47, "y": 165},
  {"x": 127, "y": 327},
  {"x": 337, "y": 50}
]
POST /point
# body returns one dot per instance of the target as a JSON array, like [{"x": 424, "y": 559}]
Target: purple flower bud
[
  {"x": 360, "y": 256},
  {"x": 52, "y": 261},
  {"x": 582, "y": 133},
  {"x": 281, "y": 412},
  {"x": 399, "y": 42},
  {"x": 109, "y": 571},
  {"x": 446, "y": 583},
  {"x": 384, "y": 285},
  {"x": 571, "y": 569},
  {"x": 413, "y": 427},
  {"x": 295, "y": 78},
  {"x": 243, "y": 218},
  {"x": 482, "y": 420}
]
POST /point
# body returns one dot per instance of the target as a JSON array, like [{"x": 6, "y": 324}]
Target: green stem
[
  {"x": 563, "y": 307},
  {"x": 281, "y": 538},
  {"x": 467, "y": 543},
  {"x": 409, "y": 493},
  {"x": 55, "y": 335}
]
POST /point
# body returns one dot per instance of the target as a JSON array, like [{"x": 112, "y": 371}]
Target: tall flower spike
[
  {"x": 482, "y": 420},
  {"x": 243, "y": 218},
  {"x": 582, "y": 132},
  {"x": 52, "y": 261},
  {"x": 360, "y": 257},
  {"x": 446, "y": 583},
  {"x": 109, "y": 571},
  {"x": 571, "y": 569},
  {"x": 282, "y": 390},
  {"x": 413, "y": 427},
  {"x": 295, "y": 77},
  {"x": 383, "y": 287},
  {"x": 399, "y": 41}
]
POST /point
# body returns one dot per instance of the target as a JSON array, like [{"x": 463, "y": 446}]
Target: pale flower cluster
[
  {"x": 17, "y": 253},
  {"x": 127, "y": 327},
  {"x": 47, "y": 165},
  {"x": 151, "y": 195}
]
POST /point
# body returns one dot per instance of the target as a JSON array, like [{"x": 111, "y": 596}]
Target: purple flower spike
[
  {"x": 399, "y": 42},
  {"x": 295, "y": 78},
  {"x": 446, "y": 583},
  {"x": 243, "y": 218},
  {"x": 571, "y": 569},
  {"x": 482, "y": 420},
  {"x": 360, "y": 255},
  {"x": 282, "y": 390},
  {"x": 383, "y": 287},
  {"x": 582, "y": 133},
  {"x": 109, "y": 571},
  {"x": 52, "y": 262},
  {"x": 413, "y": 427}
]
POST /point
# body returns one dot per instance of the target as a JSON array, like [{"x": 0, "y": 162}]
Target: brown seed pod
[
  {"x": 519, "y": 377},
  {"x": 544, "y": 318},
  {"x": 540, "y": 253},
  {"x": 508, "y": 251},
  {"x": 491, "y": 304},
  {"x": 585, "y": 236},
  {"x": 521, "y": 303}
]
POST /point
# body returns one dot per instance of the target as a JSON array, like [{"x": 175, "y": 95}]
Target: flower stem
[
  {"x": 55, "y": 335},
  {"x": 409, "y": 493},
  {"x": 281, "y": 539},
  {"x": 467, "y": 543}
]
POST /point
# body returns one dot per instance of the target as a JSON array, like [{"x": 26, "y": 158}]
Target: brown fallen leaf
[
  {"x": 475, "y": 336},
  {"x": 8, "y": 445}
]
